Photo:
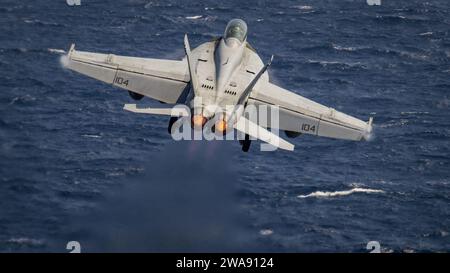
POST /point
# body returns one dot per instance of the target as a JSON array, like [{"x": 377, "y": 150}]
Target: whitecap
[
  {"x": 266, "y": 232},
  {"x": 414, "y": 113},
  {"x": 194, "y": 17},
  {"x": 27, "y": 21},
  {"x": 320, "y": 194},
  {"x": 57, "y": 51},
  {"x": 91, "y": 136},
  {"x": 26, "y": 241},
  {"x": 344, "y": 65},
  {"x": 394, "y": 123},
  {"x": 322, "y": 62},
  {"x": 346, "y": 48},
  {"x": 303, "y": 7},
  {"x": 24, "y": 99}
]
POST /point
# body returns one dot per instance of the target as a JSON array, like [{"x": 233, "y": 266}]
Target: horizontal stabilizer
[
  {"x": 252, "y": 129},
  {"x": 174, "y": 112}
]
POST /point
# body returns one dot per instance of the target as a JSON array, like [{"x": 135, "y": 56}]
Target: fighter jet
[{"x": 224, "y": 71}]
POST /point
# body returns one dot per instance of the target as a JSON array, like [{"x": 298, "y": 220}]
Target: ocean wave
[
  {"x": 417, "y": 54},
  {"x": 57, "y": 51},
  {"x": 341, "y": 65},
  {"x": 26, "y": 241},
  {"x": 415, "y": 113},
  {"x": 323, "y": 62},
  {"x": 21, "y": 50},
  {"x": 343, "y": 48},
  {"x": 210, "y": 18},
  {"x": 394, "y": 123},
  {"x": 195, "y": 17},
  {"x": 158, "y": 4},
  {"x": 41, "y": 23},
  {"x": 266, "y": 232},
  {"x": 91, "y": 136},
  {"x": 438, "y": 234},
  {"x": 320, "y": 194},
  {"x": 414, "y": 55},
  {"x": 400, "y": 18},
  {"x": 337, "y": 47},
  {"x": 347, "y": 48},
  {"x": 18, "y": 50},
  {"x": 303, "y": 7},
  {"x": 22, "y": 99}
]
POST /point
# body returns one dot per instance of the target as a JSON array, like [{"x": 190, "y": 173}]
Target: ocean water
[{"x": 75, "y": 167}]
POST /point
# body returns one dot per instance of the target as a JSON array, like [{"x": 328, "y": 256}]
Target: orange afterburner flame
[
  {"x": 198, "y": 121},
  {"x": 221, "y": 126}
]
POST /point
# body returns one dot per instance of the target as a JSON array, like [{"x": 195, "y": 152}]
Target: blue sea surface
[{"x": 75, "y": 167}]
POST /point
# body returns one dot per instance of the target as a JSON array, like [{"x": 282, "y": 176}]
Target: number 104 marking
[{"x": 308, "y": 128}]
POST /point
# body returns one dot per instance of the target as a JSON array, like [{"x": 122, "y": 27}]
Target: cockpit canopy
[{"x": 237, "y": 29}]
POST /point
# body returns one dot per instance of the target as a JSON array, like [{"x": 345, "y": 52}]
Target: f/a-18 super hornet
[{"x": 222, "y": 72}]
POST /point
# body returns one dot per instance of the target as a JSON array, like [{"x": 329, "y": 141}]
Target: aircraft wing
[
  {"x": 302, "y": 115},
  {"x": 163, "y": 80}
]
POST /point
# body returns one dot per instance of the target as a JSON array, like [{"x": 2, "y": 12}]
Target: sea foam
[{"x": 320, "y": 194}]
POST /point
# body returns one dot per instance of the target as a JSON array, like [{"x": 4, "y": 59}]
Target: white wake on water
[
  {"x": 56, "y": 50},
  {"x": 26, "y": 241},
  {"x": 194, "y": 17},
  {"x": 319, "y": 194}
]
